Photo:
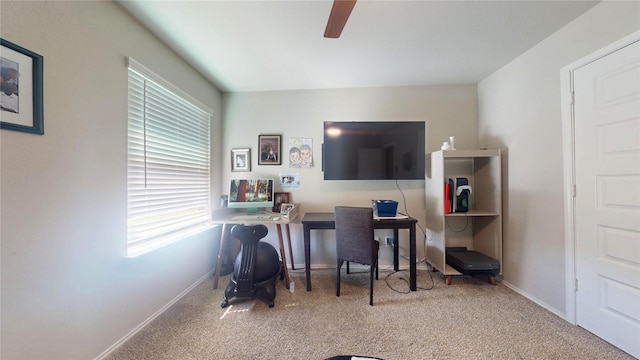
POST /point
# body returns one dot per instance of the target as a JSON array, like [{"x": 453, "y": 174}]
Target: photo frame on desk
[
  {"x": 280, "y": 198},
  {"x": 21, "y": 69},
  {"x": 285, "y": 208},
  {"x": 289, "y": 211}
]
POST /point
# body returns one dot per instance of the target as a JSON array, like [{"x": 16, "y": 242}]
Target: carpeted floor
[{"x": 469, "y": 319}]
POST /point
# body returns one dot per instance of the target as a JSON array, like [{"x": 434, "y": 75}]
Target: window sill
[{"x": 137, "y": 250}]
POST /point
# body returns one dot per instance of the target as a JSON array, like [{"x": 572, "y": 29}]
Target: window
[{"x": 168, "y": 176}]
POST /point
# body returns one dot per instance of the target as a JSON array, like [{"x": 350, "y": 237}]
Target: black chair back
[{"x": 355, "y": 241}]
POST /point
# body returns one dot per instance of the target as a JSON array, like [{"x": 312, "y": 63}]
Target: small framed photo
[
  {"x": 21, "y": 98},
  {"x": 289, "y": 211},
  {"x": 280, "y": 198},
  {"x": 240, "y": 159},
  {"x": 285, "y": 208},
  {"x": 270, "y": 149}
]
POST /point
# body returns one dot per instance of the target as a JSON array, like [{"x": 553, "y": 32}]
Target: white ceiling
[{"x": 279, "y": 45}]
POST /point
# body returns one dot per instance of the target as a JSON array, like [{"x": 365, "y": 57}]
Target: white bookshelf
[{"x": 480, "y": 228}]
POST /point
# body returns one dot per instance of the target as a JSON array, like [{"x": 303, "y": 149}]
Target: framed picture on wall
[
  {"x": 21, "y": 69},
  {"x": 280, "y": 198},
  {"x": 270, "y": 149},
  {"x": 241, "y": 160}
]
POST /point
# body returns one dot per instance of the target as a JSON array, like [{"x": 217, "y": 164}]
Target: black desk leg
[
  {"x": 396, "y": 257},
  {"x": 307, "y": 255},
  {"x": 412, "y": 258}
]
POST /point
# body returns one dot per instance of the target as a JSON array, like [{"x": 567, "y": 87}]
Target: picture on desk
[
  {"x": 280, "y": 198},
  {"x": 285, "y": 208}
]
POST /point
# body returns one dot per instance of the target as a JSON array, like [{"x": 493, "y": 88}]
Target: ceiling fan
[{"x": 340, "y": 12}]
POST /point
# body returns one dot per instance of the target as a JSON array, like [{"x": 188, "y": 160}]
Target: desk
[
  {"x": 225, "y": 218},
  {"x": 326, "y": 221}
]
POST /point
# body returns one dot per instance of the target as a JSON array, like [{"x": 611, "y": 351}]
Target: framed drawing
[
  {"x": 21, "y": 101},
  {"x": 240, "y": 159},
  {"x": 300, "y": 153},
  {"x": 280, "y": 198},
  {"x": 270, "y": 149}
]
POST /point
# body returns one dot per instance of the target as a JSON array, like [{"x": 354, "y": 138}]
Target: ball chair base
[{"x": 267, "y": 287}]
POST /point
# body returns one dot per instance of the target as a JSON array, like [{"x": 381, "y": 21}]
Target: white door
[{"x": 607, "y": 203}]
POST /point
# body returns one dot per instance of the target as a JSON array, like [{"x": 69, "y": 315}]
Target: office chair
[
  {"x": 257, "y": 266},
  {"x": 355, "y": 241}
]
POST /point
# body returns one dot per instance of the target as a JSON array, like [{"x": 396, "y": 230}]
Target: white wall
[
  {"x": 67, "y": 290},
  {"x": 447, "y": 110},
  {"x": 519, "y": 110}
]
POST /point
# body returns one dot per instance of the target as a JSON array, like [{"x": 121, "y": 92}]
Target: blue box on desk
[{"x": 385, "y": 208}]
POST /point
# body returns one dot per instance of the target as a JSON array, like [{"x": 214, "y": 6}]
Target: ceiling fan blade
[{"x": 340, "y": 12}]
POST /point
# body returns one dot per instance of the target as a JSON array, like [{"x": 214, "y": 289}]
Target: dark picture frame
[
  {"x": 270, "y": 149},
  {"x": 280, "y": 198},
  {"x": 241, "y": 159},
  {"x": 22, "y": 110}
]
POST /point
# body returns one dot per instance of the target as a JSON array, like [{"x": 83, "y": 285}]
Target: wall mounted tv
[{"x": 374, "y": 150}]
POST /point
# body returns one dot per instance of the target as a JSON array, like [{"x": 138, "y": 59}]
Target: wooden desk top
[{"x": 226, "y": 216}]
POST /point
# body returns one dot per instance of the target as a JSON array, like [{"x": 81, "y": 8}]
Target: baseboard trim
[
  {"x": 135, "y": 330},
  {"x": 544, "y": 305}
]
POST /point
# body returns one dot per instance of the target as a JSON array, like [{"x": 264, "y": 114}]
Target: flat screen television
[
  {"x": 251, "y": 194},
  {"x": 373, "y": 150}
]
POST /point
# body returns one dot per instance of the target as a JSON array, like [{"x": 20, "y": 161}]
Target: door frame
[{"x": 568, "y": 155}]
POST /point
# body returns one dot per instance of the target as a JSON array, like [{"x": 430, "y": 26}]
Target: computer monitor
[{"x": 251, "y": 194}]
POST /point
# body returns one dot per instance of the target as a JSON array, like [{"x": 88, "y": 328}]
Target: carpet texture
[{"x": 469, "y": 319}]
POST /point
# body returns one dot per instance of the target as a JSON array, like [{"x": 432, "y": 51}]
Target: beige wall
[
  {"x": 447, "y": 110},
  {"x": 67, "y": 291},
  {"x": 520, "y": 111}
]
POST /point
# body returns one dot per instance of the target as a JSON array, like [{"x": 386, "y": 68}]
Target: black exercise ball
[{"x": 267, "y": 263}]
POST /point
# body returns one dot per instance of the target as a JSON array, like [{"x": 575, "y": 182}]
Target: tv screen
[
  {"x": 359, "y": 150},
  {"x": 251, "y": 194}
]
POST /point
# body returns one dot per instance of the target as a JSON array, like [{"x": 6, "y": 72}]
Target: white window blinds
[{"x": 168, "y": 185}]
